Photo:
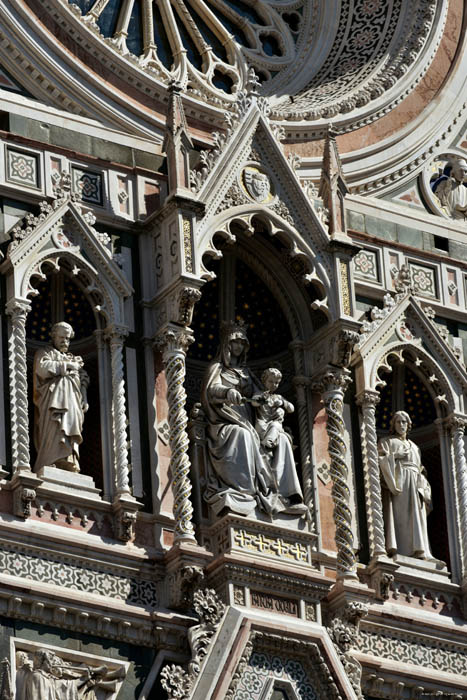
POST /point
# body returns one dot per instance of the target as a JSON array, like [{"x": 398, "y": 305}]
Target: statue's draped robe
[
  {"x": 41, "y": 684},
  {"x": 59, "y": 413},
  {"x": 406, "y": 499},
  {"x": 240, "y": 477}
]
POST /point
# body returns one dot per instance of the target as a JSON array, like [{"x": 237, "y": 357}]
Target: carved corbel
[
  {"x": 182, "y": 586},
  {"x": 23, "y": 486},
  {"x": 125, "y": 512},
  {"x": 341, "y": 347},
  {"x": 343, "y": 630},
  {"x": 187, "y": 299}
]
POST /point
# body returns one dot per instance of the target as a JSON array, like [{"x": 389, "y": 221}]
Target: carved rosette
[
  {"x": 368, "y": 400},
  {"x": 116, "y": 336},
  {"x": 332, "y": 386},
  {"x": 174, "y": 342},
  {"x": 18, "y": 310},
  {"x": 457, "y": 425}
]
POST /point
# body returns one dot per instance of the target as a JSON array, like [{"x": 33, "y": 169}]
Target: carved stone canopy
[
  {"x": 63, "y": 233},
  {"x": 403, "y": 328}
]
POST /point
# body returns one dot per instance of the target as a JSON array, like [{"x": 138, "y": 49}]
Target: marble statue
[
  {"x": 48, "y": 677},
  {"x": 451, "y": 189},
  {"x": 276, "y": 443},
  {"x": 406, "y": 491},
  {"x": 242, "y": 475},
  {"x": 60, "y": 400}
]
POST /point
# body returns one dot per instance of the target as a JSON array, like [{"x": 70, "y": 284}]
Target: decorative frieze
[
  {"x": 430, "y": 653},
  {"x": 43, "y": 569}
]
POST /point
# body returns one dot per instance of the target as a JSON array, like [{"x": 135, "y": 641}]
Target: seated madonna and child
[{"x": 250, "y": 454}]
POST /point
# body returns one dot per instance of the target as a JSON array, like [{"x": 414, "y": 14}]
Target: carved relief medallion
[
  {"x": 444, "y": 185},
  {"x": 257, "y": 185}
]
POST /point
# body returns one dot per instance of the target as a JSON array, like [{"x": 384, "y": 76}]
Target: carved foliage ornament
[
  {"x": 344, "y": 630},
  {"x": 209, "y": 608}
]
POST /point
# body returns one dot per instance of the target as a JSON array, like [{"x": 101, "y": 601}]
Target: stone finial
[
  {"x": 333, "y": 188},
  {"x": 177, "y": 143}
]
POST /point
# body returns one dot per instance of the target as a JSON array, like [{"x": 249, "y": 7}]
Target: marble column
[
  {"x": 116, "y": 336},
  {"x": 173, "y": 342},
  {"x": 368, "y": 400},
  {"x": 456, "y": 425},
  {"x": 301, "y": 388},
  {"x": 18, "y": 310},
  {"x": 332, "y": 385}
]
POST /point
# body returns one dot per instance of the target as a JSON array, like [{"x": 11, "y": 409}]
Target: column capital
[
  {"x": 368, "y": 397},
  {"x": 334, "y": 380},
  {"x": 116, "y": 333},
  {"x": 174, "y": 339},
  {"x": 18, "y": 307},
  {"x": 456, "y": 421}
]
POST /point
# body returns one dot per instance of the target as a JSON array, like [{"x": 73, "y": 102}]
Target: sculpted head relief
[{"x": 451, "y": 189}]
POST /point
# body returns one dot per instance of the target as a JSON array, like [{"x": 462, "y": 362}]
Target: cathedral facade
[{"x": 233, "y": 322}]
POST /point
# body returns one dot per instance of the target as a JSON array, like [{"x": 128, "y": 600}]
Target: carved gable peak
[
  {"x": 64, "y": 228},
  {"x": 403, "y": 322}
]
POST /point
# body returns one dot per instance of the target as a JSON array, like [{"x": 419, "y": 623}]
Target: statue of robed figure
[
  {"x": 60, "y": 400},
  {"x": 242, "y": 477}
]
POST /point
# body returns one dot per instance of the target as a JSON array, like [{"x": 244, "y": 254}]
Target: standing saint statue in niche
[
  {"x": 406, "y": 491},
  {"x": 242, "y": 477},
  {"x": 60, "y": 400}
]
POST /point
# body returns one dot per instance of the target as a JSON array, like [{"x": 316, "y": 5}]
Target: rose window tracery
[
  {"x": 314, "y": 59},
  {"x": 202, "y": 42},
  {"x": 209, "y": 45}
]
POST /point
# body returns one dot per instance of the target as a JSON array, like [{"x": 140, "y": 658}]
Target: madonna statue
[
  {"x": 241, "y": 477},
  {"x": 406, "y": 491}
]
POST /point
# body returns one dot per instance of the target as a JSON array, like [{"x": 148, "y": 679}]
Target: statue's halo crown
[{"x": 234, "y": 330}]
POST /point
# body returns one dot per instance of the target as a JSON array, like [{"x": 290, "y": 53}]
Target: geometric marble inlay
[
  {"x": 88, "y": 185},
  {"x": 423, "y": 280},
  {"x": 22, "y": 168},
  {"x": 366, "y": 265}
]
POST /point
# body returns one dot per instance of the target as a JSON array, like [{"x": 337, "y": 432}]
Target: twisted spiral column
[
  {"x": 368, "y": 400},
  {"x": 301, "y": 386},
  {"x": 457, "y": 425},
  {"x": 174, "y": 343},
  {"x": 18, "y": 310},
  {"x": 116, "y": 336},
  {"x": 332, "y": 386}
]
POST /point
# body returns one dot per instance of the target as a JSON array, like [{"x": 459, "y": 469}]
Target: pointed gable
[
  {"x": 62, "y": 235},
  {"x": 403, "y": 326}
]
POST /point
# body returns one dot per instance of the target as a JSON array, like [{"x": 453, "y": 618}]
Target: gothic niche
[
  {"x": 405, "y": 390},
  {"x": 245, "y": 304},
  {"x": 60, "y": 298}
]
